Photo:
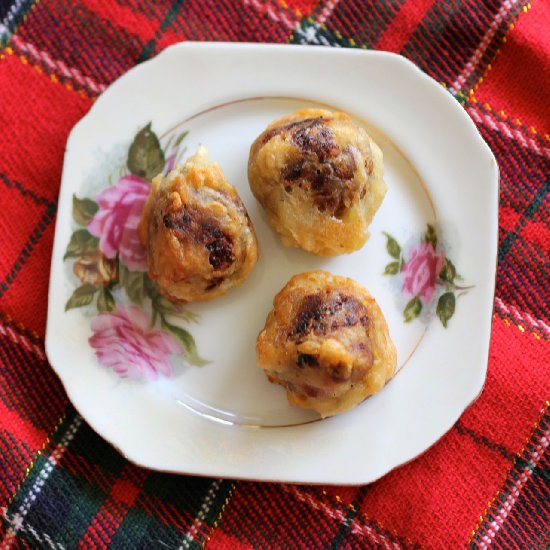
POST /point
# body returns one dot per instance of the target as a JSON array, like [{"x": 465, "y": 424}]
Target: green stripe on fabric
[
  {"x": 40, "y": 496},
  {"x": 176, "y": 503},
  {"x": 138, "y": 529},
  {"x": 166, "y": 22},
  {"x": 70, "y": 503},
  {"x": 39, "y": 463},
  {"x": 310, "y": 32},
  {"x": 527, "y": 215}
]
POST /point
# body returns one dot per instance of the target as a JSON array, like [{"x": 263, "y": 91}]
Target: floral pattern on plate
[
  {"x": 134, "y": 339},
  {"x": 426, "y": 273}
]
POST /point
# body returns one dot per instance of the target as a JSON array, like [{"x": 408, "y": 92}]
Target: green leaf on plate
[
  {"x": 105, "y": 301},
  {"x": 431, "y": 235},
  {"x": 446, "y": 307},
  {"x": 81, "y": 241},
  {"x": 165, "y": 306},
  {"x": 180, "y": 138},
  {"x": 392, "y": 246},
  {"x": 188, "y": 342},
  {"x": 82, "y": 296},
  {"x": 448, "y": 271},
  {"x": 392, "y": 268},
  {"x": 133, "y": 284},
  {"x": 84, "y": 210},
  {"x": 145, "y": 156},
  {"x": 412, "y": 309}
]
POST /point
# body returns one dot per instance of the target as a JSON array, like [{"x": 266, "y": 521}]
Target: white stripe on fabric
[
  {"x": 189, "y": 537},
  {"x": 540, "y": 444},
  {"x": 356, "y": 526},
  {"x": 26, "y": 528},
  {"x": 472, "y": 63},
  {"x": 528, "y": 320},
  {"x": 488, "y": 119},
  {"x": 57, "y": 66},
  {"x": 279, "y": 15},
  {"x": 17, "y": 338},
  {"x": 51, "y": 461}
]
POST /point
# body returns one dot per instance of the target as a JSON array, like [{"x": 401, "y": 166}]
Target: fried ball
[
  {"x": 326, "y": 342},
  {"x": 199, "y": 238},
  {"x": 319, "y": 178}
]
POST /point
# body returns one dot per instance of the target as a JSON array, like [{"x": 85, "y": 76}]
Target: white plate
[{"x": 224, "y": 419}]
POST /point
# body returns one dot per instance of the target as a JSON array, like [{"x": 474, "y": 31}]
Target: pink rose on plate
[
  {"x": 123, "y": 341},
  {"x": 116, "y": 221},
  {"x": 421, "y": 271}
]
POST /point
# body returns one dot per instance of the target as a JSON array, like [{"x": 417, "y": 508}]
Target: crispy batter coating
[
  {"x": 199, "y": 238},
  {"x": 319, "y": 178},
  {"x": 326, "y": 342}
]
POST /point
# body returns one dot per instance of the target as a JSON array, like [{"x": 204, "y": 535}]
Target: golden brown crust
[
  {"x": 199, "y": 238},
  {"x": 319, "y": 178},
  {"x": 327, "y": 342}
]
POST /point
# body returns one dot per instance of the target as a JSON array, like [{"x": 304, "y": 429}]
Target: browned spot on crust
[
  {"x": 304, "y": 389},
  {"x": 296, "y": 125},
  {"x": 312, "y": 391},
  {"x": 306, "y": 360},
  {"x": 325, "y": 313},
  {"x": 340, "y": 372},
  {"x": 193, "y": 224},
  {"x": 313, "y": 136},
  {"x": 215, "y": 282},
  {"x": 221, "y": 252},
  {"x": 369, "y": 165},
  {"x": 321, "y": 169},
  {"x": 271, "y": 133},
  {"x": 333, "y": 314},
  {"x": 330, "y": 183}
]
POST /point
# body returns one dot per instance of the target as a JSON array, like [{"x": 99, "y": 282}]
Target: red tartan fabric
[{"x": 484, "y": 484}]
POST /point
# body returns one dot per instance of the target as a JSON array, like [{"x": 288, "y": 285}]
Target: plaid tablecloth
[{"x": 485, "y": 483}]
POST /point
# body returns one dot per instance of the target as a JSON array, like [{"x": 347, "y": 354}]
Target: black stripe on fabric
[
  {"x": 484, "y": 441},
  {"x": 30, "y": 374},
  {"x": 532, "y": 505},
  {"x": 24, "y": 191},
  {"x": 5, "y": 7},
  {"x": 393, "y": 537},
  {"x": 11, "y": 16},
  {"x": 25, "y": 253},
  {"x": 352, "y": 512},
  {"x": 509, "y": 534}
]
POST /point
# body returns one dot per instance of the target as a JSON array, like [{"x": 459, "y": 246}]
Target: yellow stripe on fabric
[
  {"x": 222, "y": 509},
  {"x": 505, "y": 116},
  {"x": 9, "y": 320},
  {"x": 368, "y": 519},
  {"x": 30, "y": 467},
  {"x": 521, "y": 126},
  {"x": 67, "y": 85},
  {"x": 489, "y": 66}
]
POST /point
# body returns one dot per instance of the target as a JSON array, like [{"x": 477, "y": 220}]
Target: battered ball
[
  {"x": 319, "y": 178},
  {"x": 326, "y": 342},
  {"x": 199, "y": 238}
]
